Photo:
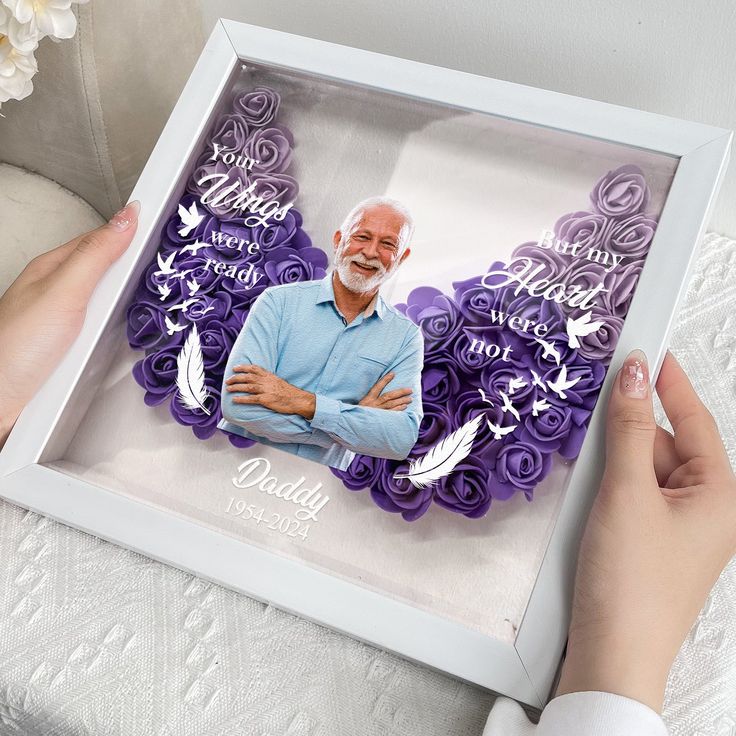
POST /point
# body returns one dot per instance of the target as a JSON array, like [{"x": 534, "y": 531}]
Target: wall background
[{"x": 663, "y": 57}]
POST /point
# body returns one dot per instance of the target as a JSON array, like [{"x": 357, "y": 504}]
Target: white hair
[{"x": 350, "y": 223}]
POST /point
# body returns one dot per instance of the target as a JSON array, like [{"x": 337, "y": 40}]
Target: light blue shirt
[{"x": 297, "y": 332}]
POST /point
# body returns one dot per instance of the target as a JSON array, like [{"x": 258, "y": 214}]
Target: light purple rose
[
  {"x": 588, "y": 229},
  {"x": 230, "y": 134},
  {"x": 600, "y": 344},
  {"x": 621, "y": 284},
  {"x": 270, "y": 149},
  {"x": 259, "y": 106},
  {"x": 554, "y": 263},
  {"x": 633, "y": 236},
  {"x": 621, "y": 192},
  {"x": 272, "y": 185},
  {"x": 519, "y": 466}
]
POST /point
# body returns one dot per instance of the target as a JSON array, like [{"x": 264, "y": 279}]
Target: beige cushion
[
  {"x": 102, "y": 98},
  {"x": 36, "y": 215}
]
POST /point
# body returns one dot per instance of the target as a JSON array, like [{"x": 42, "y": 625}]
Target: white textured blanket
[{"x": 95, "y": 639}]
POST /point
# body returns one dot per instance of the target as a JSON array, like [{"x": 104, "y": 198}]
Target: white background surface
[{"x": 674, "y": 58}]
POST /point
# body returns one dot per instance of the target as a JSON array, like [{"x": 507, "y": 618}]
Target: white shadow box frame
[{"x": 525, "y": 670}]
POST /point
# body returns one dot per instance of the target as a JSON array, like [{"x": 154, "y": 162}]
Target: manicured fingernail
[
  {"x": 634, "y": 376},
  {"x": 125, "y": 217}
]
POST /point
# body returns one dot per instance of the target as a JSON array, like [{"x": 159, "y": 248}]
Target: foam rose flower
[
  {"x": 398, "y": 495},
  {"x": 362, "y": 472},
  {"x": 259, "y": 106},
  {"x": 467, "y": 490},
  {"x": 621, "y": 192}
]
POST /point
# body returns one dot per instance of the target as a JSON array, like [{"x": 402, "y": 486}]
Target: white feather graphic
[
  {"x": 190, "y": 373},
  {"x": 444, "y": 456}
]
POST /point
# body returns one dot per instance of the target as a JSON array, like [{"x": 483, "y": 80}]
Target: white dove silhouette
[
  {"x": 164, "y": 290},
  {"x": 508, "y": 406},
  {"x": 539, "y": 405},
  {"x": 193, "y": 247},
  {"x": 184, "y": 305},
  {"x": 193, "y": 287},
  {"x": 164, "y": 264},
  {"x": 549, "y": 349},
  {"x": 561, "y": 384},
  {"x": 181, "y": 274},
  {"x": 580, "y": 327},
  {"x": 537, "y": 381},
  {"x": 499, "y": 432},
  {"x": 484, "y": 397},
  {"x": 172, "y": 327},
  {"x": 515, "y": 383},
  {"x": 190, "y": 218}
]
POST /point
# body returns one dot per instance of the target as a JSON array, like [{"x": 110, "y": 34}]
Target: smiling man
[{"x": 327, "y": 369}]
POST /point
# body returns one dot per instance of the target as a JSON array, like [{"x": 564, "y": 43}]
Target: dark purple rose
[
  {"x": 202, "y": 231},
  {"x": 398, "y": 495},
  {"x": 498, "y": 376},
  {"x": 621, "y": 284},
  {"x": 621, "y": 192},
  {"x": 233, "y": 242},
  {"x": 146, "y": 326},
  {"x": 548, "y": 429},
  {"x": 215, "y": 306},
  {"x": 633, "y": 236},
  {"x": 588, "y": 377},
  {"x": 435, "y": 425},
  {"x": 229, "y": 134},
  {"x": 519, "y": 466},
  {"x": 468, "y": 405},
  {"x": 286, "y": 265},
  {"x": 467, "y": 489},
  {"x": 237, "y": 440},
  {"x": 270, "y": 149},
  {"x": 217, "y": 341},
  {"x": 258, "y": 107},
  {"x": 156, "y": 373},
  {"x": 437, "y": 315},
  {"x": 199, "y": 274},
  {"x": 203, "y": 425},
  {"x": 282, "y": 232},
  {"x": 362, "y": 472},
  {"x": 440, "y": 382}
]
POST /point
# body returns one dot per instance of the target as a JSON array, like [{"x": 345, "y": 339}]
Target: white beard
[{"x": 355, "y": 281}]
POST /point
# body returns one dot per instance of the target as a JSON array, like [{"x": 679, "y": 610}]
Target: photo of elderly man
[{"x": 326, "y": 369}]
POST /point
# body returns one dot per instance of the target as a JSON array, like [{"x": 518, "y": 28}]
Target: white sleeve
[{"x": 588, "y": 713}]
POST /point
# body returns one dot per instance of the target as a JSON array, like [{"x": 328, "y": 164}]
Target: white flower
[
  {"x": 16, "y": 70},
  {"x": 53, "y": 18},
  {"x": 23, "y": 36}
]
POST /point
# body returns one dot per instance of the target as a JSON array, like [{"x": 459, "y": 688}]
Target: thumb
[
  {"x": 630, "y": 426},
  {"x": 95, "y": 252}
]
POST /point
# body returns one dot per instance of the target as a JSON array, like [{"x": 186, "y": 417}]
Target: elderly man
[{"x": 326, "y": 369}]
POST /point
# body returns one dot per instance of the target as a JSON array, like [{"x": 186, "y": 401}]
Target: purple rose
[
  {"x": 146, "y": 326},
  {"x": 362, "y": 472},
  {"x": 232, "y": 242},
  {"x": 437, "y": 315},
  {"x": 270, "y": 149},
  {"x": 519, "y": 466},
  {"x": 468, "y": 405},
  {"x": 440, "y": 382},
  {"x": 197, "y": 270},
  {"x": 600, "y": 344},
  {"x": 466, "y": 490},
  {"x": 587, "y": 229},
  {"x": 201, "y": 232},
  {"x": 584, "y": 392},
  {"x": 156, "y": 373},
  {"x": 269, "y": 186},
  {"x": 497, "y": 377},
  {"x": 229, "y": 134},
  {"x": 217, "y": 341},
  {"x": 477, "y": 302},
  {"x": 223, "y": 187},
  {"x": 548, "y": 429},
  {"x": 621, "y": 192},
  {"x": 554, "y": 262},
  {"x": 634, "y": 235},
  {"x": 286, "y": 265},
  {"x": 258, "y": 107},
  {"x": 215, "y": 306},
  {"x": 203, "y": 425},
  {"x": 398, "y": 495},
  {"x": 621, "y": 284},
  {"x": 436, "y": 424},
  {"x": 285, "y": 232}
]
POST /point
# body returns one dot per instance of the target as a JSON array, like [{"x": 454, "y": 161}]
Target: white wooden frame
[{"x": 525, "y": 670}]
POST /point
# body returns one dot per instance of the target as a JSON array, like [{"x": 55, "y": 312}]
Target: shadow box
[{"x": 355, "y": 361}]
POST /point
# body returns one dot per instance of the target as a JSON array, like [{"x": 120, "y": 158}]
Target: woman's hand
[
  {"x": 661, "y": 530},
  {"x": 43, "y": 310}
]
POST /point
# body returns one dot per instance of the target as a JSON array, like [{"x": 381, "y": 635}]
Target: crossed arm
[{"x": 383, "y": 424}]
